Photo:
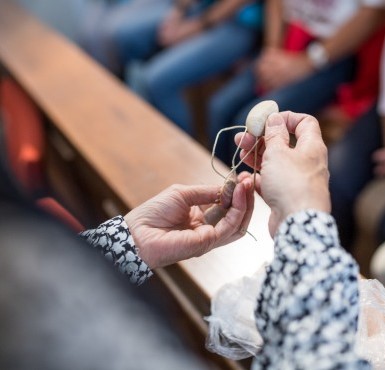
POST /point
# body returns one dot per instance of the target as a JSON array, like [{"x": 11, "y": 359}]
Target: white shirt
[{"x": 322, "y": 18}]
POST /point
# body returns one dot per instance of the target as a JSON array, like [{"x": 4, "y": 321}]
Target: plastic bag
[
  {"x": 232, "y": 329},
  {"x": 371, "y": 324},
  {"x": 233, "y": 332}
]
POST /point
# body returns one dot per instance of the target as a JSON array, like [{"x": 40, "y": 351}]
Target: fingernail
[
  {"x": 274, "y": 120},
  {"x": 245, "y": 182}
]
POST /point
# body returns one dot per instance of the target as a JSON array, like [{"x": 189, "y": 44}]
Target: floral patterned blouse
[
  {"x": 114, "y": 240},
  {"x": 307, "y": 311}
]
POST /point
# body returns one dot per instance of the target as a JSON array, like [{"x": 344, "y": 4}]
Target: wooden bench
[{"x": 128, "y": 146}]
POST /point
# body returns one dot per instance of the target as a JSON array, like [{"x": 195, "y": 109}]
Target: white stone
[{"x": 257, "y": 117}]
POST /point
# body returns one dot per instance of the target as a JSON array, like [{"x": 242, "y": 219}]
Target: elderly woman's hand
[
  {"x": 291, "y": 178},
  {"x": 170, "y": 227}
]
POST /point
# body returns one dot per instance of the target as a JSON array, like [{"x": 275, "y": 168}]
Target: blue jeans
[
  {"x": 64, "y": 15},
  {"x": 231, "y": 105},
  {"x": 115, "y": 34},
  {"x": 351, "y": 168},
  {"x": 168, "y": 73}
]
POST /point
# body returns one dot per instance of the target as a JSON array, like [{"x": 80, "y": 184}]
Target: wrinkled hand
[
  {"x": 379, "y": 160},
  {"x": 170, "y": 227},
  {"x": 291, "y": 178},
  {"x": 276, "y": 68}
]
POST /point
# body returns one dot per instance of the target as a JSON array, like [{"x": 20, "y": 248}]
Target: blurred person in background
[
  {"x": 118, "y": 31},
  {"x": 194, "y": 48},
  {"x": 308, "y": 52},
  {"x": 354, "y": 161}
]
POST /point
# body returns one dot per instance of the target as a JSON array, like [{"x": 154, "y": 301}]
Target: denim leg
[
  {"x": 315, "y": 92},
  {"x": 169, "y": 72},
  {"x": 127, "y": 31},
  {"x": 310, "y": 94},
  {"x": 351, "y": 168},
  {"x": 222, "y": 107},
  {"x": 65, "y": 16},
  {"x": 232, "y": 104},
  {"x": 133, "y": 28},
  {"x": 90, "y": 34}
]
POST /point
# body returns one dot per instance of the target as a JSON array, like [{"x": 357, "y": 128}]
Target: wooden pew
[{"x": 130, "y": 147}]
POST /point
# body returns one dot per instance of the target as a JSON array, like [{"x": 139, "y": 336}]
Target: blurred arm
[
  {"x": 274, "y": 27},
  {"x": 354, "y": 32}
]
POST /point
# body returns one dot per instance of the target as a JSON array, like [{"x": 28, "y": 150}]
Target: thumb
[{"x": 276, "y": 132}]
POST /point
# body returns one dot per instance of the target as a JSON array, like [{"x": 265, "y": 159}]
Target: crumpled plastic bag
[
  {"x": 233, "y": 333},
  {"x": 232, "y": 330},
  {"x": 371, "y": 324}
]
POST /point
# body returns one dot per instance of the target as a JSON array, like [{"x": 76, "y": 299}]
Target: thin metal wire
[
  {"x": 238, "y": 148},
  {"x": 215, "y": 147},
  {"x": 235, "y": 166},
  {"x": 255, "y": 165}
]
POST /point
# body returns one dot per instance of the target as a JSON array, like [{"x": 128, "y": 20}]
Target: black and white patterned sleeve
[
  {"x": 114, "y": 240},
  {"x": 307, "y": 311}
]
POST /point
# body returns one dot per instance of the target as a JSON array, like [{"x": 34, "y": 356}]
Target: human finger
[
  {"x": 249, "y": 206},
  {"x": 244, "y": 175},
  {"x": 244, "y": 140},
  {"x": 253, "y": 158},
  {"x": 229, "y": 227},
  {"x": 305, "y": 127},
  {"x": 247, "y": 158},
  {"x": 255, "y": 179},
  {"x": 276, "y": 132},
  {"x": 195, "y": 194},
  {"x": 251, "y": 178}
]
